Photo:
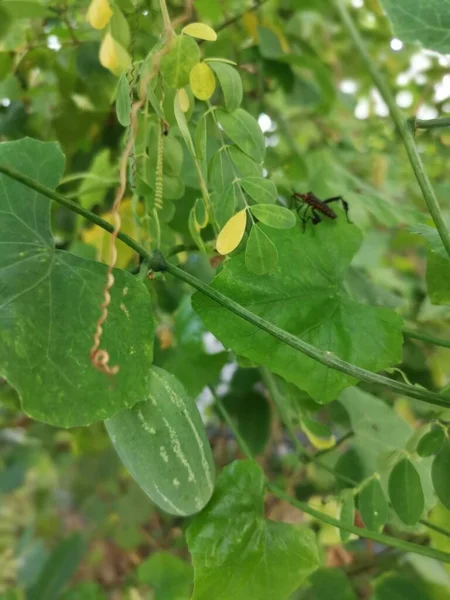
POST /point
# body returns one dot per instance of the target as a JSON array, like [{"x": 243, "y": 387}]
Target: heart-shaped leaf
[
  {"x": 46, "y": 293},
  {"x": 305, "y": 296},
  {"x": 255, "y": 558}
]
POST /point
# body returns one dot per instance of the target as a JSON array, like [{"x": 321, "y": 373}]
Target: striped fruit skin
[{"x": 162, "y": 443}]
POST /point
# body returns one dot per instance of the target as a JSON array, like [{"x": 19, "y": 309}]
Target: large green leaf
[
  {"x": 237, "y": 553},
  {"x": 46, "y": 293},
  {"x": 424, "y": 21},
  {"x": 304, "y": 296}
]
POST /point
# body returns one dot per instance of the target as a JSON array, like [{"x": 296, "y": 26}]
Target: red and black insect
[{"x": 313, "y": 208}]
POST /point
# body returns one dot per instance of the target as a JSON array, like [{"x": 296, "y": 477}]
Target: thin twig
[
  {"x": 430, "y": 123},
  {"x": 425, "y": 337}
]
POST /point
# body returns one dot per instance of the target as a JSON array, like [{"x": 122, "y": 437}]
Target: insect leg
[
  {"x": 344, "y": 205},
  {"x": 316, "y": 217},
  {"x": 304, "y": 218}
]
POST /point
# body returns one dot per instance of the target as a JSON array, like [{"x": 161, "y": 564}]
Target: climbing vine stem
[
  {"x": 157, "y": 262},
  {"x": 404, "y": 126}
]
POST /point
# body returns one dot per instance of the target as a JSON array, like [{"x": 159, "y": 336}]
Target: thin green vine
[
  {"x": 157, "y": 263},
  {"x": 404, "y": 126}
]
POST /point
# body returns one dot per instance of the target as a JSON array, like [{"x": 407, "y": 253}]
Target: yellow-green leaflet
[
  {"x": 162, "y": 443},
  {"x": 200, "y": 31},
  {"x": 232, "y": 233}
]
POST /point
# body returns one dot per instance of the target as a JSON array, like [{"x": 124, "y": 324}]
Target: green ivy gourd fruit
[{"x": 162, "y": 443}]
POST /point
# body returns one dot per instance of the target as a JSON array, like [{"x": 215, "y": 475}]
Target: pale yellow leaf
[
  {"x": 232, "y": 233},
  {"x": 250, "y": 22},
  {"x": 113, "y": 56},
  {"x": 203, "y": 82},
  {"x": 200, "y": 31},
  {"x": 321, "y": 443},
  {"x": 99, "y": 13},
  {"x": 183, "y": 100}
]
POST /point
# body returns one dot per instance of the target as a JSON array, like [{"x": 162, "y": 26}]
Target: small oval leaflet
[
  {"x": 440, "y": 474},
  {"x": 405, "y": 492},
  {"x": 373, "y": 505},
  {"x": 430, "y": 442},
  {"x": 123, "y": 101},
  {"x": 261, "y": 254},
  {"x": 346, "y": 513},
  {"x": 113, "y": 56},
  {"x": 244, "y": 131},
  {"x": 260, "y": 190},
  {"x": 231, "y": 84},
  {"x": 99, "y": 13},
  {"x": 179, "y": 61},
  {"x": 233, "y": 232},
  {"x": 274, "y": 216},
  {"x": 200, "y": 31},
  {"x": 318, "y": 434},
  {"x": 162, "y": 443},
  {"x": 224, "y": 204},
  {"x": 245, "y": 165},
  {"x": 203, "y": 82},
  {"x": 183, "y": 100},
  {"x": 119, "y": 28}
]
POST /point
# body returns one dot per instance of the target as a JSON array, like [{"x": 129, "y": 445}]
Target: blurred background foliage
[{"x": 73, "y": 524}]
